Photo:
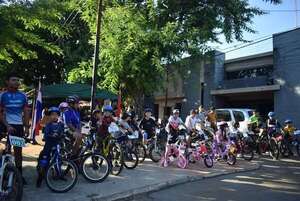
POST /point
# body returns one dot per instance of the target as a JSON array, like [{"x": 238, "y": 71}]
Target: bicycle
[
  {"x": 93, "y": 165},
  {"x": 57, "y": 170},
  {"x": 11, "y": 183}
]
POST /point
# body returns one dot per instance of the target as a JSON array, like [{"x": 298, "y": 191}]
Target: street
[{"x": 274, "y": 181}]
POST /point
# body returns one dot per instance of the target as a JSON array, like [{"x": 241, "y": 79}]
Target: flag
[
  {"x": 37, "y": 113},
  {"x": 119, "y": 105}
]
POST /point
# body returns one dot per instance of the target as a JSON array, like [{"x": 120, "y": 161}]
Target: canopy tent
[{"x": 81, "y": 90}]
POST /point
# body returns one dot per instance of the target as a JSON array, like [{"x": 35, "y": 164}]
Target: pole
[
  {"x": 296, "y": 12},
  {"x": 96, "y": 55}
]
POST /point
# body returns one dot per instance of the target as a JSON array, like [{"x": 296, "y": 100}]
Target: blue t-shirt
[
  {"x": 73, "y": 117},
  {"x": 14, "y": 104},
  {"x": 54, "y": 130}
]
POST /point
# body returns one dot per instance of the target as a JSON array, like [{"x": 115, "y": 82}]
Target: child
[
  {"x": 148, "y": 125},
  {"x": 103, "y": 124},
  {"x": 54, "y": 130},
  {"x": 289, "y": 130}
]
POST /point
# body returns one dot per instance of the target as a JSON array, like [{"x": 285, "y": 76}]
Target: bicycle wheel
[
  {"x": 231, "y": 159},
  {"x": 61, "y": 176},
  {"x": 141, "y": 151},
  {"x": 298, "y": 149},
  {"x": 182, "y": 162},
  {"x": 12, "y": 183},
  {"x": 95, "y": 168},
  {"x": 208, "y": 161},
  {"x": 274, "y": 149},
  {"x": 131, "y": 159},
  {"x": 155, "y": 153},
  {"x": 116, "y": 159},
  {"x": 247, "y": 152}
]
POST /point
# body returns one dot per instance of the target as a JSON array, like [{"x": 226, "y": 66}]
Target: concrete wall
[
  {"x": 287, "y": 74},
  {"x": 214, "y": 75}
]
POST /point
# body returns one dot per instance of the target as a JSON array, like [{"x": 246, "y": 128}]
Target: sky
[{"x": 265, "y": 25}]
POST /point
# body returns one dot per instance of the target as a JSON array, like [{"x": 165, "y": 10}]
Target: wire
[{"x": 281, "y": 11}]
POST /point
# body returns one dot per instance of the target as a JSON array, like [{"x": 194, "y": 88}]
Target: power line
[
  {"x": 282, "y": 10},
  {"x": 251, "y": 41}
]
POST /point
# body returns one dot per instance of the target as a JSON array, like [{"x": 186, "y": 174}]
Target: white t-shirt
[{"x": 190, "y": 122}]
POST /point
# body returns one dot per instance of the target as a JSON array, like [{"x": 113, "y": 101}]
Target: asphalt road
[{"x": 275, "y": 181}]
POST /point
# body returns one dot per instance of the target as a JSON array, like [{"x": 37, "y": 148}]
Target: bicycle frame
[{"x": 7, "y": 159}]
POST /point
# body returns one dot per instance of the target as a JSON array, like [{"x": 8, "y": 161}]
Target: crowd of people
[{"x": 66, "y": 116}]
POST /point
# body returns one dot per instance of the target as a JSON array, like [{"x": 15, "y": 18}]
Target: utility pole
[
  {"x": 296, "y": 12},
  {"x": 96, "y": 55}
]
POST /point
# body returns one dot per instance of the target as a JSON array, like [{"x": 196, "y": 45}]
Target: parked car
[{"x": 231, "y": 115}]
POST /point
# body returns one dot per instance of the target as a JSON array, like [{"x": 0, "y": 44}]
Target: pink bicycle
[
  {"x": 175, "y": 151},
  {"x": 201, "y": 151}
]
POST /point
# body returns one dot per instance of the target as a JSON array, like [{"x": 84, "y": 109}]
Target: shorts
[{"x": 19, "y": 130}]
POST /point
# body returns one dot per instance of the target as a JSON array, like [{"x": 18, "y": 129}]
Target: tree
[
  {"x": 140, "y": 37},
  {"x": 38, "y": 39}
]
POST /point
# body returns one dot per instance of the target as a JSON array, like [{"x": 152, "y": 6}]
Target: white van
[{"x": 231, "y": 115}]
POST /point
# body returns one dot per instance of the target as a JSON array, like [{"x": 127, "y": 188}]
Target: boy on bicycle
[
  {"x": 54, "y": 131},
  {"x": 288, "y": 131}
]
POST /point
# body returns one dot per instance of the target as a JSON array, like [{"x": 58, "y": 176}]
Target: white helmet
[{"x": 176, "y": 111}]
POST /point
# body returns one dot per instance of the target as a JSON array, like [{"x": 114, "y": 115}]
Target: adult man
[
  {"x": 15, "y": 114},
  {"x": 73, "y": 121},
  {"x": 212, "y": 118}
]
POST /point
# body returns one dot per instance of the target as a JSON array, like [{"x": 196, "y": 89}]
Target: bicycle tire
[
  {"x": 128, "y": 155},
  {"x": 206, "y": 159},
  {"x": 274, "y": 149},
  {"x": 231, "y": 159},
  {"x": 182, "y": 162},
  {"x": 103, "y": 160},
  {"x": 141, "y": 151},
  {"x": 18, "y": 186},
  {"x": 70, "y": 165},
  {"x": 158, "y": 152},
  {"x": 116, "y": 159},
  {"x": 247, "y": 150}
]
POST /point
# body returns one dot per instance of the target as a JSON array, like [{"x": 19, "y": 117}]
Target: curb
[{"x": 130, "y": 194}]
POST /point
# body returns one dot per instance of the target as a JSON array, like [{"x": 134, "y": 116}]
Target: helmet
[
  {"x": 288, "y": 121},
  {"x": 95, "y": 111},
  {"x": 54, "y": 109},
  {"x": 63, "y": 105},
  {"x": 107, "y": 108},
  {"x": 176, "y": 111},
  {"x": 148, "y": 110},
  {"x": 271, "y": 114},
  {"x": 72, "y": 99}
]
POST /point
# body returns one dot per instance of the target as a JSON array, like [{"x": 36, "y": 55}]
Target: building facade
[{"x": 268, "y": 81}]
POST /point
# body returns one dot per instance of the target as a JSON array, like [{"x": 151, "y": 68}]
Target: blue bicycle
[{"x": 61, "y": 175}]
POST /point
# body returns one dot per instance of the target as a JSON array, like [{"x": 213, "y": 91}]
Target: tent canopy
[{"x": 81, "y": 90}]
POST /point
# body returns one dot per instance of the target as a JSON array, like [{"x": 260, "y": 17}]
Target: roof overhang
[{"x": 275, "y": 87}]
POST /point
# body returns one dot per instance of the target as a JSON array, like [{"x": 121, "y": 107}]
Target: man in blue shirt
[
  {"x": 15, "y": 114},
  {"x": 73, "y": 121}
]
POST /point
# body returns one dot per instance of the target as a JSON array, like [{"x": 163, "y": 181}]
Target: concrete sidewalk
[{"x": 147, "y": 177}]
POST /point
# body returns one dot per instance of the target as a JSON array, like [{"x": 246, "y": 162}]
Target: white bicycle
[{"x": 11, "y": 184}]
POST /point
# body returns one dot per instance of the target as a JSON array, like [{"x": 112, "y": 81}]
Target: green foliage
[
  {"x": 21, "y": 20},
  {"x": 139, "y": 37}
]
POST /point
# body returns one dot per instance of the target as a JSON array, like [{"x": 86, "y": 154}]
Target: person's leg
[{"x": 77, "y": 144}]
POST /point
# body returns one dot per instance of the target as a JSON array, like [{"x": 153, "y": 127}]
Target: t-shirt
[
  {"x": 105, "y": 123},
  {"x": 212, "y": 117},
  {"x": 148, "y": 125},
  {"x": 73, "y": 117},
  {"x": 53, "y": 130},
  {"x": 14, "y": 104},
  {"x": 254, "y": 119},
  {"x": 289, "y": 130},
  {"x": 191, "y": 121}
]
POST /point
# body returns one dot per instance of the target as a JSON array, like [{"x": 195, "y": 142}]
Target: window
[
  {"x": 238, "y": 116},
  {"x": 250, "y": 73},
  {"x": 223, "y": 115}
]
